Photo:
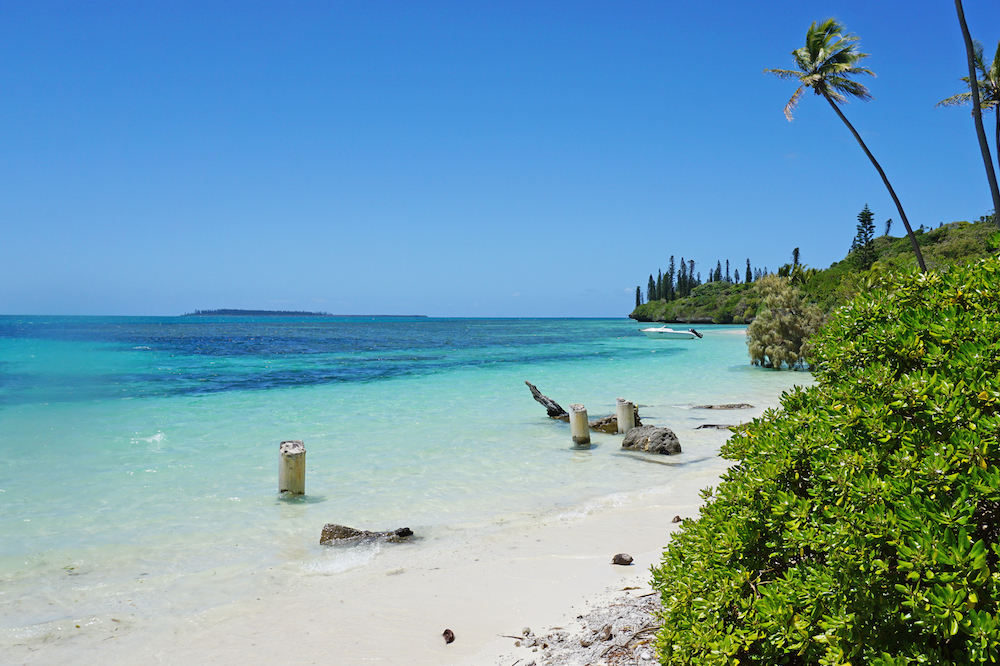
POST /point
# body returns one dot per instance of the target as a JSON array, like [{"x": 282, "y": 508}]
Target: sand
[{"x": 535, "y": 575}]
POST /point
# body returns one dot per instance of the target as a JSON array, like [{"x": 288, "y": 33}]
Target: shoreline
[
  {"x": 539, "y": 575},
  {"x": 389, "y": 604}
]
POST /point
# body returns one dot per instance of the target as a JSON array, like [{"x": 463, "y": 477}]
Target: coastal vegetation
[
  {"x": 727, "y": 302},
  {"x": 859, "y": 523},
  {"x": 784, "y": 326}
]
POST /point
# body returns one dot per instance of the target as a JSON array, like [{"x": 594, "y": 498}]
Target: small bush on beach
[
  {"x": 784, "y": 325},
  {"x": 859, "y": 524}
]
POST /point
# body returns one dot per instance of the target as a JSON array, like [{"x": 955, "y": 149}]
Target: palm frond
[
  {"x": 784, "y": 73},
  {"x": 793, "y": 102},
  {"x": 957, "y": 100},
  {"x": 849, "y": 88},
  {"x": 989, "y": 84},
  {"x": 977, "y": 56}
]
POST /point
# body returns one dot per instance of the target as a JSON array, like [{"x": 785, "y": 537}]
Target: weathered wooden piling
[
  {"x": 578, "y": 425},
  {"x": 626, "y": 415},
  {"x": 292, "y": 467}
]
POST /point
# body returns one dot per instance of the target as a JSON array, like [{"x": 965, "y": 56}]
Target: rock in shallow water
[
  {"x": 334, "y": 534},
  {"x": 651, "y": 439},
  {"x": 622, "y": 558},
  {"x": 731, "y": 405}
]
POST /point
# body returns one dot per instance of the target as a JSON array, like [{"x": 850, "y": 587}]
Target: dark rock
[
  {"x": 449, "y": 636},
  {"x": 622, "y": 558},
  {"x": 652, "y": 439},
  {"x": 609, "y": 424},
  {"x": 732, "y": 405},
  {"x": 716, "y": 426},
  {"x": 676, "y": 519},
  {"x": 335, "y": 535}
]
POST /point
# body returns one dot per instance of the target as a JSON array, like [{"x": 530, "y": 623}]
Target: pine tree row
[{"x": 680, "y": 280}]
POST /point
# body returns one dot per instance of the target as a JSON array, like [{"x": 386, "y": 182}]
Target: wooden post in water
[
  {"x": 578, "y": 425},
  {"x": 626, "y": 415},
  {"x": 292, "y": 467}
]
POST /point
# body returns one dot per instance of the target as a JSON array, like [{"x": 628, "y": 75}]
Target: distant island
[{"x": 277, "y": 313}]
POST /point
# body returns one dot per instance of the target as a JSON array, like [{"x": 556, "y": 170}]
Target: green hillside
[{"x": 724, "y": 302}]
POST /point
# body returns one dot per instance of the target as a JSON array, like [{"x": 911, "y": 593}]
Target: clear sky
[{"x": 452, "y": 158}]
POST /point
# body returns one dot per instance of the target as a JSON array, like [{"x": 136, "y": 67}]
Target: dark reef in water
[{"x": 276, "y": 313}]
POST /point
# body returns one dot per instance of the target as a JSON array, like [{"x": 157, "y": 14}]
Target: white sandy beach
[{"x": 535, "y": 576}]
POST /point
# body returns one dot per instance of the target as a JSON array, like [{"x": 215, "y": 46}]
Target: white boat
[{"x": 664, "y": 333}]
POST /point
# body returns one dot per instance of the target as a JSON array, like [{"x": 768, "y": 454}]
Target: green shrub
[
  {"x": 860, "y": 522},
  {"x": 780, "y": 334}
]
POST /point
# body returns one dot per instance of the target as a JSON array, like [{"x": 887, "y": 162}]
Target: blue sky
[{"x": 510, "y": 159}]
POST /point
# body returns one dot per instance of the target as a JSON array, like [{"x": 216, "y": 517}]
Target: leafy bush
[
  {"x": 780, "y": 333},
  {"x": 860, "y": 523}
]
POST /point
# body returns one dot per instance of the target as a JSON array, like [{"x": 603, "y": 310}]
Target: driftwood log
[{"x": 608, "y": 424}]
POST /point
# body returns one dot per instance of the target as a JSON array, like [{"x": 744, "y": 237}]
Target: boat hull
[{"x": 664, "y": 333}]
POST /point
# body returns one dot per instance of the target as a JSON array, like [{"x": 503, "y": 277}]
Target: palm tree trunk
[
  {"x": 892, "y": 193},
  {"x": 977, "y": 112}
]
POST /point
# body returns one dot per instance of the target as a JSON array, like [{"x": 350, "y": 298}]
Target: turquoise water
[{"x": 139, "y": 466}]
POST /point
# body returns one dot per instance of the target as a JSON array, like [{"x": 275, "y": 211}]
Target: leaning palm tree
[
  {"x": 825, "y": 64},
  {"x": 988, "y": 87},
  {"x": 988, "y": 83}
]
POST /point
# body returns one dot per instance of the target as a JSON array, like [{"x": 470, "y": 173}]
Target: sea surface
[{"x": 138, "y": 476}]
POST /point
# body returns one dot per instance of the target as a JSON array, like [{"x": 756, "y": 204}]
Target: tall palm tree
[
  {"x": 825, "y": 64},
  {"x": 988, "y": 86}
]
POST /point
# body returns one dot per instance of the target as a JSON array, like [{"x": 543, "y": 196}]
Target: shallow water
[{"x": 140, "y": 454}]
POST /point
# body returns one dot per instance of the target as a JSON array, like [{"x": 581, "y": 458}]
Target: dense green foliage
[
  {"x": 951, "y": 244},
  {"x": 859, "y": 524},
  {"x": 781, "y": 333},
  {"x": 712, "y": 302}
]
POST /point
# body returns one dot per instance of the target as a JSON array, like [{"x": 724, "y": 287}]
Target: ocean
[{"x": 138, "y": 480}]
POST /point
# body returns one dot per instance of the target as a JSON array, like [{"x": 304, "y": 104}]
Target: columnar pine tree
[
  {"x": 694, "y": 283},
  {"x": 672, "y": 295},
  {"x": 651, "y": 289},
  {"x": 718, "y": 272},
  {"x": 795, "y": 257},
  {"x": 659, "y": 285},
  {"x": 727, "y": 271},
  {"x": 638, "y": 297},
  {"x": 682, "y": 280},
  {"x": 862, "y": 250},
  {"x": 736, "y": 275},
  {"x": 748, "y": 276}
]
